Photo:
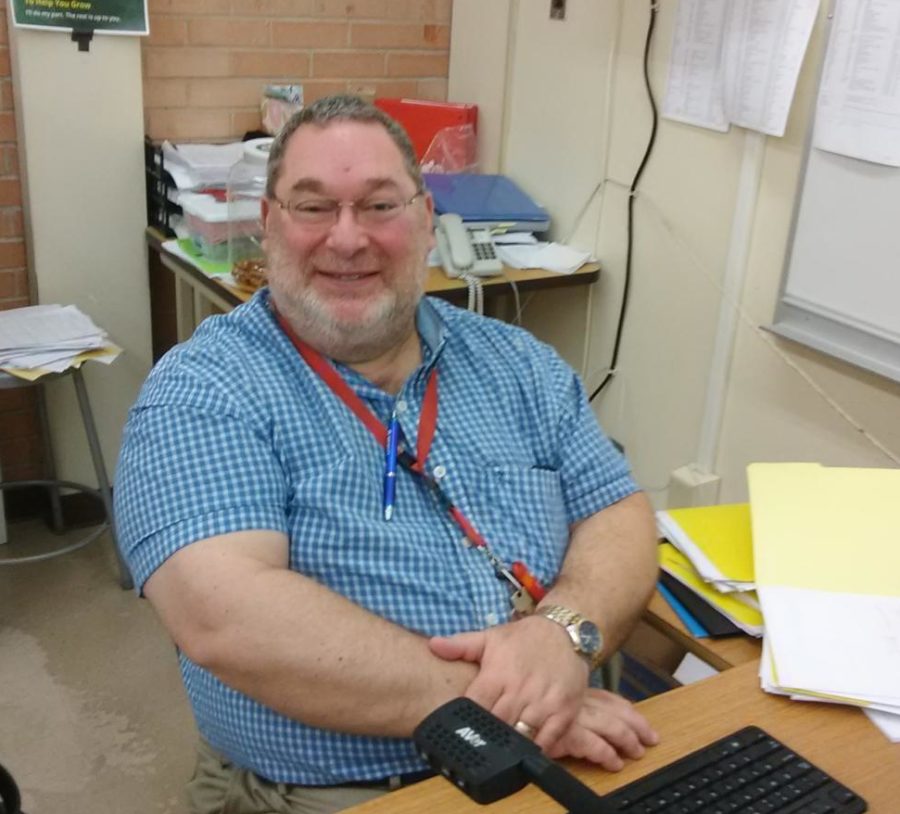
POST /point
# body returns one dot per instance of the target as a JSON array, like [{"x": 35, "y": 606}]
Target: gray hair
[{"x": 338, "y": 108}]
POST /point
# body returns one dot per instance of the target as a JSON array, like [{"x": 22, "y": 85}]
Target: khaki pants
[{"x": 220, "y": 787}]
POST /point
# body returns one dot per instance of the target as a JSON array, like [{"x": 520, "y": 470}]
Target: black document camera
[{"x": 489, "y": 760}]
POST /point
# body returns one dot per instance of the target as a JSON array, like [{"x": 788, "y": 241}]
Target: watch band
[{"x": 587, "y": 640}]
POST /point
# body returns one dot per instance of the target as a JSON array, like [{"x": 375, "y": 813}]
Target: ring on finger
[{"x": 525, "y": 729}]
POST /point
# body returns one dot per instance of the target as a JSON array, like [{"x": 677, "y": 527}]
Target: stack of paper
[
  {"x": 49, "y": 339},
  {"x": 710, "y": 553},
  {"x": 827, "y": 559}
]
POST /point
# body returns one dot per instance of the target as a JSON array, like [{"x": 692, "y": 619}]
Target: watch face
[{"x": 588, "y": 637}]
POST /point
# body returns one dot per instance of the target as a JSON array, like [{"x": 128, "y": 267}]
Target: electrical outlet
[
  {"x": 557, "y": 9},
  {"x": 692, "y": 486}
]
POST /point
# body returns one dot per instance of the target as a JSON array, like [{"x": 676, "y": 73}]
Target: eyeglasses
[{"x": 370, "y": 212}]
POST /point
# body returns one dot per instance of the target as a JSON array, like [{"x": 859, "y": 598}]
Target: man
[{"x": 317, "y": 619}]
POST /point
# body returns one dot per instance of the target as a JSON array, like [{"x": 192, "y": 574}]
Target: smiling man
[{"x": 315, "y": 629}]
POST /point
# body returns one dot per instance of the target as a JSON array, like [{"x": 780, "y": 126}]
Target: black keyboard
[{"x": 748, "y": 772}]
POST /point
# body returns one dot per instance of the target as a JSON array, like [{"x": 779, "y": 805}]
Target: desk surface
[
  {"x": 839, "y": 739},
  {"x": 437, "y": 284}
]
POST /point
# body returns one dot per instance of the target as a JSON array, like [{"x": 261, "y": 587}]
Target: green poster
[{"x": 109, "y": 16}]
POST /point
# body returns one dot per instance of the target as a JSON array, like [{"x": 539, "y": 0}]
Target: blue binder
[{"x": 486, "y": 201}]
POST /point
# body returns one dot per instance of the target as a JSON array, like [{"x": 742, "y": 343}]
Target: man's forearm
[
  {"x": 610, "y": 568},
  {"x": 298, "y": 647}
]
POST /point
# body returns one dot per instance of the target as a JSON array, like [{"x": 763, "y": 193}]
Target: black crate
[{"x": 159, "y": 184}]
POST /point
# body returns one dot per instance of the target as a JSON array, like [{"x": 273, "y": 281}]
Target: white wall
[
  {"x": 80, "y": 120},
  {"x": 566, "y": 75}
]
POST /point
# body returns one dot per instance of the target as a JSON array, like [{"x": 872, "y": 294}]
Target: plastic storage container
[
  {"x": 246, "y": 187},
  {"x": 214, "y": 223}
]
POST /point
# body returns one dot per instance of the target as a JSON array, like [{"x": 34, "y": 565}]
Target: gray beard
[{"x": 348, "y": 343}]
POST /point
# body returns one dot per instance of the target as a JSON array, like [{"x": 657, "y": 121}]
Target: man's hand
[
  {"x": 606, "y": 730},
  {"x": 528, "y": 672}
]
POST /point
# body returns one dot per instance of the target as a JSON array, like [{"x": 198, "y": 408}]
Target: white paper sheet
[
  {"x": 858, "y": 109},
  {"x": 695, "y": 93},
  {"x": 834, "y": 643},
  {"x": 737, "y": 62}
]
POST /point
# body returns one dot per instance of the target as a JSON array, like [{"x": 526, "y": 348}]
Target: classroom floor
[{"x": 93, "y": 716}]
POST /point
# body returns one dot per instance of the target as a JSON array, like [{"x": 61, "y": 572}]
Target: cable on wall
[{"x": 626, "y": 286}]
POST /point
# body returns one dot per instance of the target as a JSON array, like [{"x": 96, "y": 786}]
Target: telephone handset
[{"x": 465, "y": 252}]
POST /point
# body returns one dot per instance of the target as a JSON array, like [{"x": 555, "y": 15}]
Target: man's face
[{"x": 349, "y": 288}]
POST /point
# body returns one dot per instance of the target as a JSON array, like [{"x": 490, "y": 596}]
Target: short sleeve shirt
[{"x": 233, "y": 431}]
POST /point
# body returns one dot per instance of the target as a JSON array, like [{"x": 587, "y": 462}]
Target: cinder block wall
[{"x": 207, "y": 61}]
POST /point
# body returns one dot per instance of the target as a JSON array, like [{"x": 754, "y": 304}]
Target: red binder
[{"x": 422, "y": 119}]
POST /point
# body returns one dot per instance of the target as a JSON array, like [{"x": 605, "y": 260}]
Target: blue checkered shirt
[{"x": 232, "y": 431}]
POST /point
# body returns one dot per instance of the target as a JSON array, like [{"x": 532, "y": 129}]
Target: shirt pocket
[{"x": 521, "y": 512}]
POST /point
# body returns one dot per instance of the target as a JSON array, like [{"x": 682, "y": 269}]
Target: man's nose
[{"x": 345, "y": 235}]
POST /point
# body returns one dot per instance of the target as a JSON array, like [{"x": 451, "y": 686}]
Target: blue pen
[{"x": 390, "y": 466}]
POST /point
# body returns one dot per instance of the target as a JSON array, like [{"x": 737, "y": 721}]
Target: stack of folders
[
  {"x": 707, "y": 569},
  {"x": 827, "y": 559}
]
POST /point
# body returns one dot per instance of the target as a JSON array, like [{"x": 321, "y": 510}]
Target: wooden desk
[
  {"x": 719, "y": 653},
  {"x": 839, "y": 739},
  {"x": 197, "y": 296}
]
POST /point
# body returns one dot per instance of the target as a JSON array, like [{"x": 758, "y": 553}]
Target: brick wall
[
  {"x": 20, "y": 447},
  {"x": 207, "y": 61}
]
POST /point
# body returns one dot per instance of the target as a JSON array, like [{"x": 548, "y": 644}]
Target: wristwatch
[{"x": 585, "y": 635}]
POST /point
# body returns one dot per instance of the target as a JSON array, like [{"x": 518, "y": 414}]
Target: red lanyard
[{"x": 523, "y": 582}]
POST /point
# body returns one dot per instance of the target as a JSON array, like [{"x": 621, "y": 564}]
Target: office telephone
[{"x": 465, "y": 252}]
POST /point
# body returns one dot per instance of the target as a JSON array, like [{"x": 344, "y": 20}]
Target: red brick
[
  {"x": 272, "y": 8},
  {"x": 316, "y": 90},
  {"x": 20, "y": 458},
  {"x": 244, "y": 121},
  {"x": 190, "y": 7},
  {"x": 9, "y": 287},
  {"x": 7, "y": 127},
  {"x": 4, "y": 62},
  {"x": 165, "y": 93},
  {"x": 188, "y": 125},
  {"x": 215, "y": 31},
  {"x": 14, "y": 302},
  {"x": 395, "y": 88},
  {"x": 6, "y": 95},
  {"x": 10, "y": 192},
  {"x": 335, "y": 65},
  {"x": 434, "y": 90},
  {"x": 9, "y": 160},
  {"x": 167, "y": 31},
  {"x": 19, "y": 398},
  {"x": 420, "y": 65},
  {"x": 188, "y": 63},
  {"x": 309, "y": 35},
  {"x": 19, "y": 424},
  {"x": 11, "y": 223},
  {"x": 396, "y": 35},
  {"x": 225, "y": 93},
  {"x": 12, "y": 254},
  {"x": 270, "y": 64}
]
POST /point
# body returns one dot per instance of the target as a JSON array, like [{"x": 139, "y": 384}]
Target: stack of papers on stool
[
  {"x": 826, "y": 544},
  {"x": 44, "y": 339}
]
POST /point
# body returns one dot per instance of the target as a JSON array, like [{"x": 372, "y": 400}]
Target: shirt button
[
  {"x": 401, "y": 406},
  {"x": 439, "y": 471},
  {"x": 491, "y": 618},
  {"x": 466, "y": 542}
]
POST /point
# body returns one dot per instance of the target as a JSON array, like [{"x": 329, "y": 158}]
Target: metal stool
[{"x": 53, "y": 484}]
